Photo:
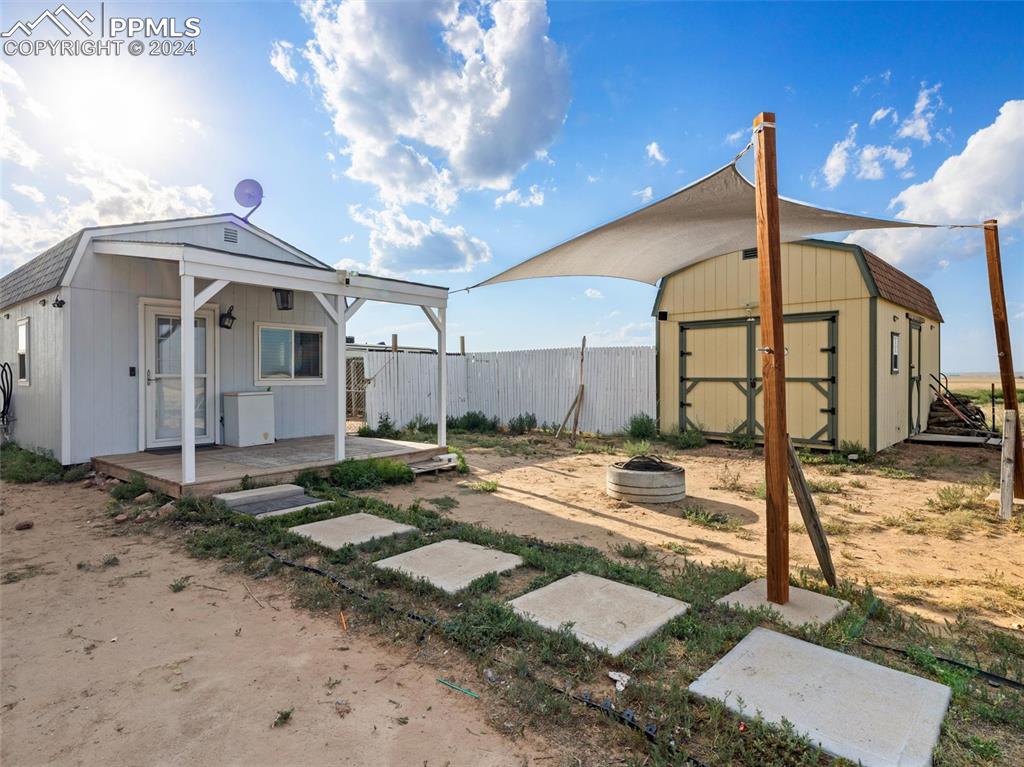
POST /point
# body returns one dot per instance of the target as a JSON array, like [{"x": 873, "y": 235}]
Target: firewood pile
[{"x": 952, "y": 413}]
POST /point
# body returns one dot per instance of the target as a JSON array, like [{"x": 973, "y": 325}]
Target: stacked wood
[{"x": 952, "y": 413}]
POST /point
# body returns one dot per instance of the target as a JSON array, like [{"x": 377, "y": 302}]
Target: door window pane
[
  {"x": 308, "y": 354},
  {"x": 168, "y": 408},
  {"x": 200, "y": 345},
  {"x": 168, "y": 345},
  {"x": 275, "y": 353}
]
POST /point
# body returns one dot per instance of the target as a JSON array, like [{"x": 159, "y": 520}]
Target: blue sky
[{"x": 444, "y": 143}]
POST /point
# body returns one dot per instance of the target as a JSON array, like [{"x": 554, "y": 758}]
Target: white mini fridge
[{"x": 248, "y": 418}]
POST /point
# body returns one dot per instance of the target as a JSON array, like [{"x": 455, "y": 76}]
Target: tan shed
[{"x": 862, "y": 343}]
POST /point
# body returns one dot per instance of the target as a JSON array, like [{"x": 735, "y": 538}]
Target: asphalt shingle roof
[
  {"x": 902, "y": 289},
  {"x": 41, "y": 274}
]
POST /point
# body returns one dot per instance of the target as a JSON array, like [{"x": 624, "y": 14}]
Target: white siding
[
  {"x": 104, "y": 306},
  {"x": 36, "y": 407},
  {"x": 619, "y": 383}
]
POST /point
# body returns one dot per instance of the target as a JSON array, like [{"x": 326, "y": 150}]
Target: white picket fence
[{"x": 619, "y": 383}]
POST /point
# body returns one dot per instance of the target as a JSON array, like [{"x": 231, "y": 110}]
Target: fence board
[{"x": 619, "y": 380}]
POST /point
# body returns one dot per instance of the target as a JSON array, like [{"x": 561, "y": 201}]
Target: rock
[
  {"x": 88, "y": 483},
  {"x": 140, "y": 519},
  {"x": 166, "y": 509},
  {"x": 112, "y": 482},
  {"x": 26, "y": 525},
  {"x": 121, "y": 518},
  {"x": 490, "y": 676},
  {"x": 144, "y": 498}
]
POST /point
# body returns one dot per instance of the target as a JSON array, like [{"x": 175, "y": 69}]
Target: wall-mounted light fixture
[
  {"x": 58, "y": 302},
  {"x": 227, "y": 319},
  {"x": 42, "y": 302},
  {"x": 285, "y": 299}
]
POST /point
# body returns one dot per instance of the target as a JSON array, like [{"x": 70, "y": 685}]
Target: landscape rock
[
  {"x": 26, "y": 525},
  {"x": 88, "y": 483},
  {"x": 167, "y": 508},
  {"x": 121, "y": 518},
  {"x": 144, "y": 498}
]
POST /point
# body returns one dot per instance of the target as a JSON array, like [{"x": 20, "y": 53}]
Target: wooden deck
[{"x": 220, "y": 468}]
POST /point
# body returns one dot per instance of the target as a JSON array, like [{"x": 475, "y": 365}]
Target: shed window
[
  {"x": 749, "y": 253},
  {"x": 894, "y": 352},
  {"x": 289, "y": 354},
  {"x": 23, "y": 352}
]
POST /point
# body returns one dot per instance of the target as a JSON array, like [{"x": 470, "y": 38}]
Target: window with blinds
[{"x": 289, "y": 354}]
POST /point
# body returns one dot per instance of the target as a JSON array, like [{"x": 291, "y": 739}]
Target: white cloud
[
  {"x": 871, "y": 158},
  {"x": 400, "y": 244},
  {"x": 630, "y": 334},
  {"x": 8, "y": 76},
  {"x": 593, "y": 294},
  {"x": 535, "y": 198},
  {"x": 330, "y": 157},
  {"x": 347, "y": 239},
  {"x": 654, "y": 153},
  {"x": 281, "y": 60},
  {"x": 592, "y": 179},
  {"x": 36, "y": 108},
  {"x": 13, "y": 148},
  {"x": 29, "y": 192},
  {"x": 646, "y": 194},
  {"x": 883, "y": 113},
  {"x": 189, "y": 125},
  {"x": 113, "y": 194},
  {"x": 920, "y": 123},
  {"x": 986, "y": 180},
  {"x": 435, "y": 98},
  {"x": 838, "y": 160},
  {"x": 737, "y": 136}
]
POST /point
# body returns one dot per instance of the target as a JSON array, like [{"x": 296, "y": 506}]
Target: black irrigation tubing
[
  {"x": 625, "y": 717},
  {"x": 348, "y": 587},
  {"x": 857, "y": 631},
  {"x": 988, "y": 676}
]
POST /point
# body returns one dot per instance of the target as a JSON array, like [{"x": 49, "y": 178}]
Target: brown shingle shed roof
[{"x": 902, "y": 289}]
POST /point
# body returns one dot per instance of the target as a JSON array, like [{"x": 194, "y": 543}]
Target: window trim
[
  {"x": 293, "y": 381},
  {"x": 26, "y": 352},
  {"x": 895, "y": 352}
]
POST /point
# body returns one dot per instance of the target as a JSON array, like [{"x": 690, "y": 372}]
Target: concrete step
[
  {"x": 438, "y": 463},
  {"x": 242, "y": 497}
]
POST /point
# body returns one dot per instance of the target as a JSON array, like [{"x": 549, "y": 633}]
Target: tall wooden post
[
  {"x": 773, "y": 356},
  {"x": 995, "y": 286}
]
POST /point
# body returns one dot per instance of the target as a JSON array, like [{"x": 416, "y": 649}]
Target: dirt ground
[
  {"x": 882, "y": 530},
  {"x": 106, "y": 665}
]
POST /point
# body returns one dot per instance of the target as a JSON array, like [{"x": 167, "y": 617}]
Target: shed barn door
[
  {"x": 810, "y": 380},
  {"x": 714, "y": 377},
  {"x": 720, "y": 378}
]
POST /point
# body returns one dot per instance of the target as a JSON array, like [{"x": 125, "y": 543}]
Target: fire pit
[{"x": 646, "y": 479}]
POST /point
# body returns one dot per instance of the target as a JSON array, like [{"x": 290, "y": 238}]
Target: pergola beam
[{"x": 773, "y": 356}]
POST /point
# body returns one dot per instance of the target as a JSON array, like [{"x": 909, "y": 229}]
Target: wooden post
[
  {"x": 394, "y": 342},
  {"x": 1006, "y": 465},
  {"x": 995, "y": 285},
  {"x": 579, "y": 399},
  {"x": 812, "y": 522},
  {"x": 462, "y": 346},
  {"x": 773, "y": 356}
]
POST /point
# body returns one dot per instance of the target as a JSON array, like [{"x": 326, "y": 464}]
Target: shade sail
[{"x": 712, "y": 216}]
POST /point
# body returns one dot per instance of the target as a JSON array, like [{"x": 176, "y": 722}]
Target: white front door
[{"x": 163, "y": 376}]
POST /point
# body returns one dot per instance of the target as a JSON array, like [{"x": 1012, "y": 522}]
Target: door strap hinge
[
  {"x": 829, "y": 349},
  {"x": 829, "y": 410}
]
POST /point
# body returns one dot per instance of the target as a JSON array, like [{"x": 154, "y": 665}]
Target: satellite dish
[{"x": 249, "y": 194}]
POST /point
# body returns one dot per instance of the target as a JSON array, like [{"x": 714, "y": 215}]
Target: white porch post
[
  {"x": 442, "y": 380},
  {"x": 339, "y": 428},
  {"x": 188, "y": 379}
]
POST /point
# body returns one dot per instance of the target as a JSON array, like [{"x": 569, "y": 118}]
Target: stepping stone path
[
  {"x": 610, "y": 616},
  {"x": 803, "y": 608},
  {"x": 869, "y": 714},
  {"x": 270, "y": 501},
  {"x": 450, "y": 565},
  {"x": 351, "y": 530}
]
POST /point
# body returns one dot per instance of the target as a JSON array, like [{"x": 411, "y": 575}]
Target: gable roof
[
  {"x": 900, "y": 288},
  {"x": 882, "y": 279},
  {"x": 42, "y": 273},
  {"x": 46, "y": 271}
]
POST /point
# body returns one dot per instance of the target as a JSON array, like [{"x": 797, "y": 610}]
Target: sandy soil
[
  {"x": 106, "y": 665},
  {"x": 558, "y": 496}
]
